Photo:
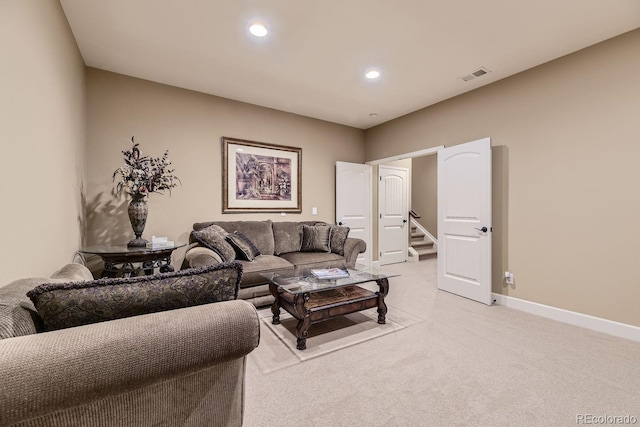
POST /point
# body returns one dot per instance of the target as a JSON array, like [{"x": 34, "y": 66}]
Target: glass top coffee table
[{"x": 311, "y": 299}]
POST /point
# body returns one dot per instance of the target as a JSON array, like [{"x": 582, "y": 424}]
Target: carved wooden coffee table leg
[
  {"x": 304, "y": 320},
  {"x": 382, "y": 307},
  {"x": 275, "y": 307},
  {"x": 302, "y": 331}
]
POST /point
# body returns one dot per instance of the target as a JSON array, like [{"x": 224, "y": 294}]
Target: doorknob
[
  {"x": 340, "y": 223},
  {"x": 404, "y": 220},
  {"x": 483, "y": 229}
]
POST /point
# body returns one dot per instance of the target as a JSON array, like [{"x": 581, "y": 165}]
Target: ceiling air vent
[{"x": 477, "y": 73}]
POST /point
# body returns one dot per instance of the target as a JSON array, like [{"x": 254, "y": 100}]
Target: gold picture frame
[{"x": 260, "y": 177}]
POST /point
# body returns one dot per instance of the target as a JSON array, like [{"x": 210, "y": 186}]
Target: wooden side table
[{"x": 120, "y": 260}]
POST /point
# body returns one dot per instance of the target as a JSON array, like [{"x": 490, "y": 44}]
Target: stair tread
[
  {"x": 427, "y": 251},
  {"x": 422, "y": 245}
]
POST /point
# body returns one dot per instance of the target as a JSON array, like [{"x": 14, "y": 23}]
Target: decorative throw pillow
[
  {"x": 287, "y": 236},
  {"x": 244, "y": 247},
  {"x": 339, "y": 236},
  {"x": 213, "y": 237},
  {"x": 64, "y": 305},
  {"x": 316, "y": 238}
]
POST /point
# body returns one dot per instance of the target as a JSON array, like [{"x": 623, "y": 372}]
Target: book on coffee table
[{"x": 330, "y": 273}]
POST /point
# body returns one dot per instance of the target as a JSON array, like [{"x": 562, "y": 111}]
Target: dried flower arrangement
[{"x": 143, "y": 175}]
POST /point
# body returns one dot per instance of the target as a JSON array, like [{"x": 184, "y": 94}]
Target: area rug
[{"x": 277, "y": 349}]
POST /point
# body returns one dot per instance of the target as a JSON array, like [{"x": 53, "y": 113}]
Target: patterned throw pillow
[
  {"x": 339, "y": 236},
  {"x": 64, "y": 305},
  {"x": 213, "y": 237},
  {"x": 316, "y": 238},
  {"x": 244, "y": 247}
]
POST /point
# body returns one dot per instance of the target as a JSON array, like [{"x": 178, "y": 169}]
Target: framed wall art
[{"x": 260, "y": 177}]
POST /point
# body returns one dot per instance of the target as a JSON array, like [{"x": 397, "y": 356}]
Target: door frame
[
  {"x": 413, "y": 154},
  {"x": 410, "y": 155}
]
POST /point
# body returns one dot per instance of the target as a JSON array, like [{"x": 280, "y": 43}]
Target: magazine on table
[{"x": 330, "y": 273}]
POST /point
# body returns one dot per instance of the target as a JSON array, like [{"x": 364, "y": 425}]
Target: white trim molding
[
  {"x": 414, "y": 256},
  {"x": 610, "y": 327},
  {"x": 410, "y": 155}
]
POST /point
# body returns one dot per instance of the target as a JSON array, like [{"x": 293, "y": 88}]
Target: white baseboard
[{"x": 610, "y": 327}]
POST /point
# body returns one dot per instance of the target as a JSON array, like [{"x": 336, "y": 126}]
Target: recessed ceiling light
[
  {"x": 372, "y": 74},
  {"x": 258, "y": 30},
  {"x": 373, "y": 115}
]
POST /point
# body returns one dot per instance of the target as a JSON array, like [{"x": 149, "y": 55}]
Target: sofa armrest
[
  {"x": 72, "y": 273},
  {"x": 352, "y": 248},
  {"x": 51, "y": 371},
  {"x": 199, "y": 256}
]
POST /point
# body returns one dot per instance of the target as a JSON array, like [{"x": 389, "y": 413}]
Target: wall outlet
[
  {"x": 508, "y": 278},
  {"x": 314, "y": 211}
]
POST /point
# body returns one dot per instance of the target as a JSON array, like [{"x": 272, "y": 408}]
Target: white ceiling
[{"x": 313, "y": 60}]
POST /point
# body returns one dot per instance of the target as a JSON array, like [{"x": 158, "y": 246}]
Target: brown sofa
[
  {"x": 179, "y": 367},
  {"x": 280, "y": 245}
]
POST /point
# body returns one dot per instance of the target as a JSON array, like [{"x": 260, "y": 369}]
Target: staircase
[{"x": 422, "y": 245}]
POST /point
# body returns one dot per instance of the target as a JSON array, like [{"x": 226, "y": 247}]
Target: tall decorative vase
[{"x": 138, "y": 211}]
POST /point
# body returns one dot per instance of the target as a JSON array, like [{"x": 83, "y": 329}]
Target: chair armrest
[
  {"x": 352, "y": 247},
  {"x": 46, "y": 372}
]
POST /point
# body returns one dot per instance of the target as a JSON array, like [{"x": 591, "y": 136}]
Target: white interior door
[
  {"x": 393, "y": 209},
  {"x": 464, "y": 220},
  {"x": 353, "y": 203}
]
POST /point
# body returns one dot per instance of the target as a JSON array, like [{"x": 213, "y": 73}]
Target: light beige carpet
[
  {"x": 467, "y": 364},
  {"x": 278, "y": 342}
]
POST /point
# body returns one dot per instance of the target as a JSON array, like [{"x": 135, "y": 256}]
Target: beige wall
[
  {"x": 566, "y": 176},
  {"x": 42, "y": 134},
  {"x": 190, "y": 125}
]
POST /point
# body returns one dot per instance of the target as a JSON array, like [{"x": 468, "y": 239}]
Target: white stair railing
[
  {"x": 414, "y": 256},
  {"x": 424, "y": 231}
]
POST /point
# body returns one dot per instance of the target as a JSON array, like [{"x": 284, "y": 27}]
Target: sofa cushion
[
  {"x": 251, "y": 275},
  {"x": 287, "y": 237},
  {"x": 244, "y": 247},
  {"x": 316, "y": 238},
  {"x": 260, "y": 232},
  {"x": 306, "y": 260},
  {"x": 214, "y": 238},
  {"x": 64, "y": 305}
]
